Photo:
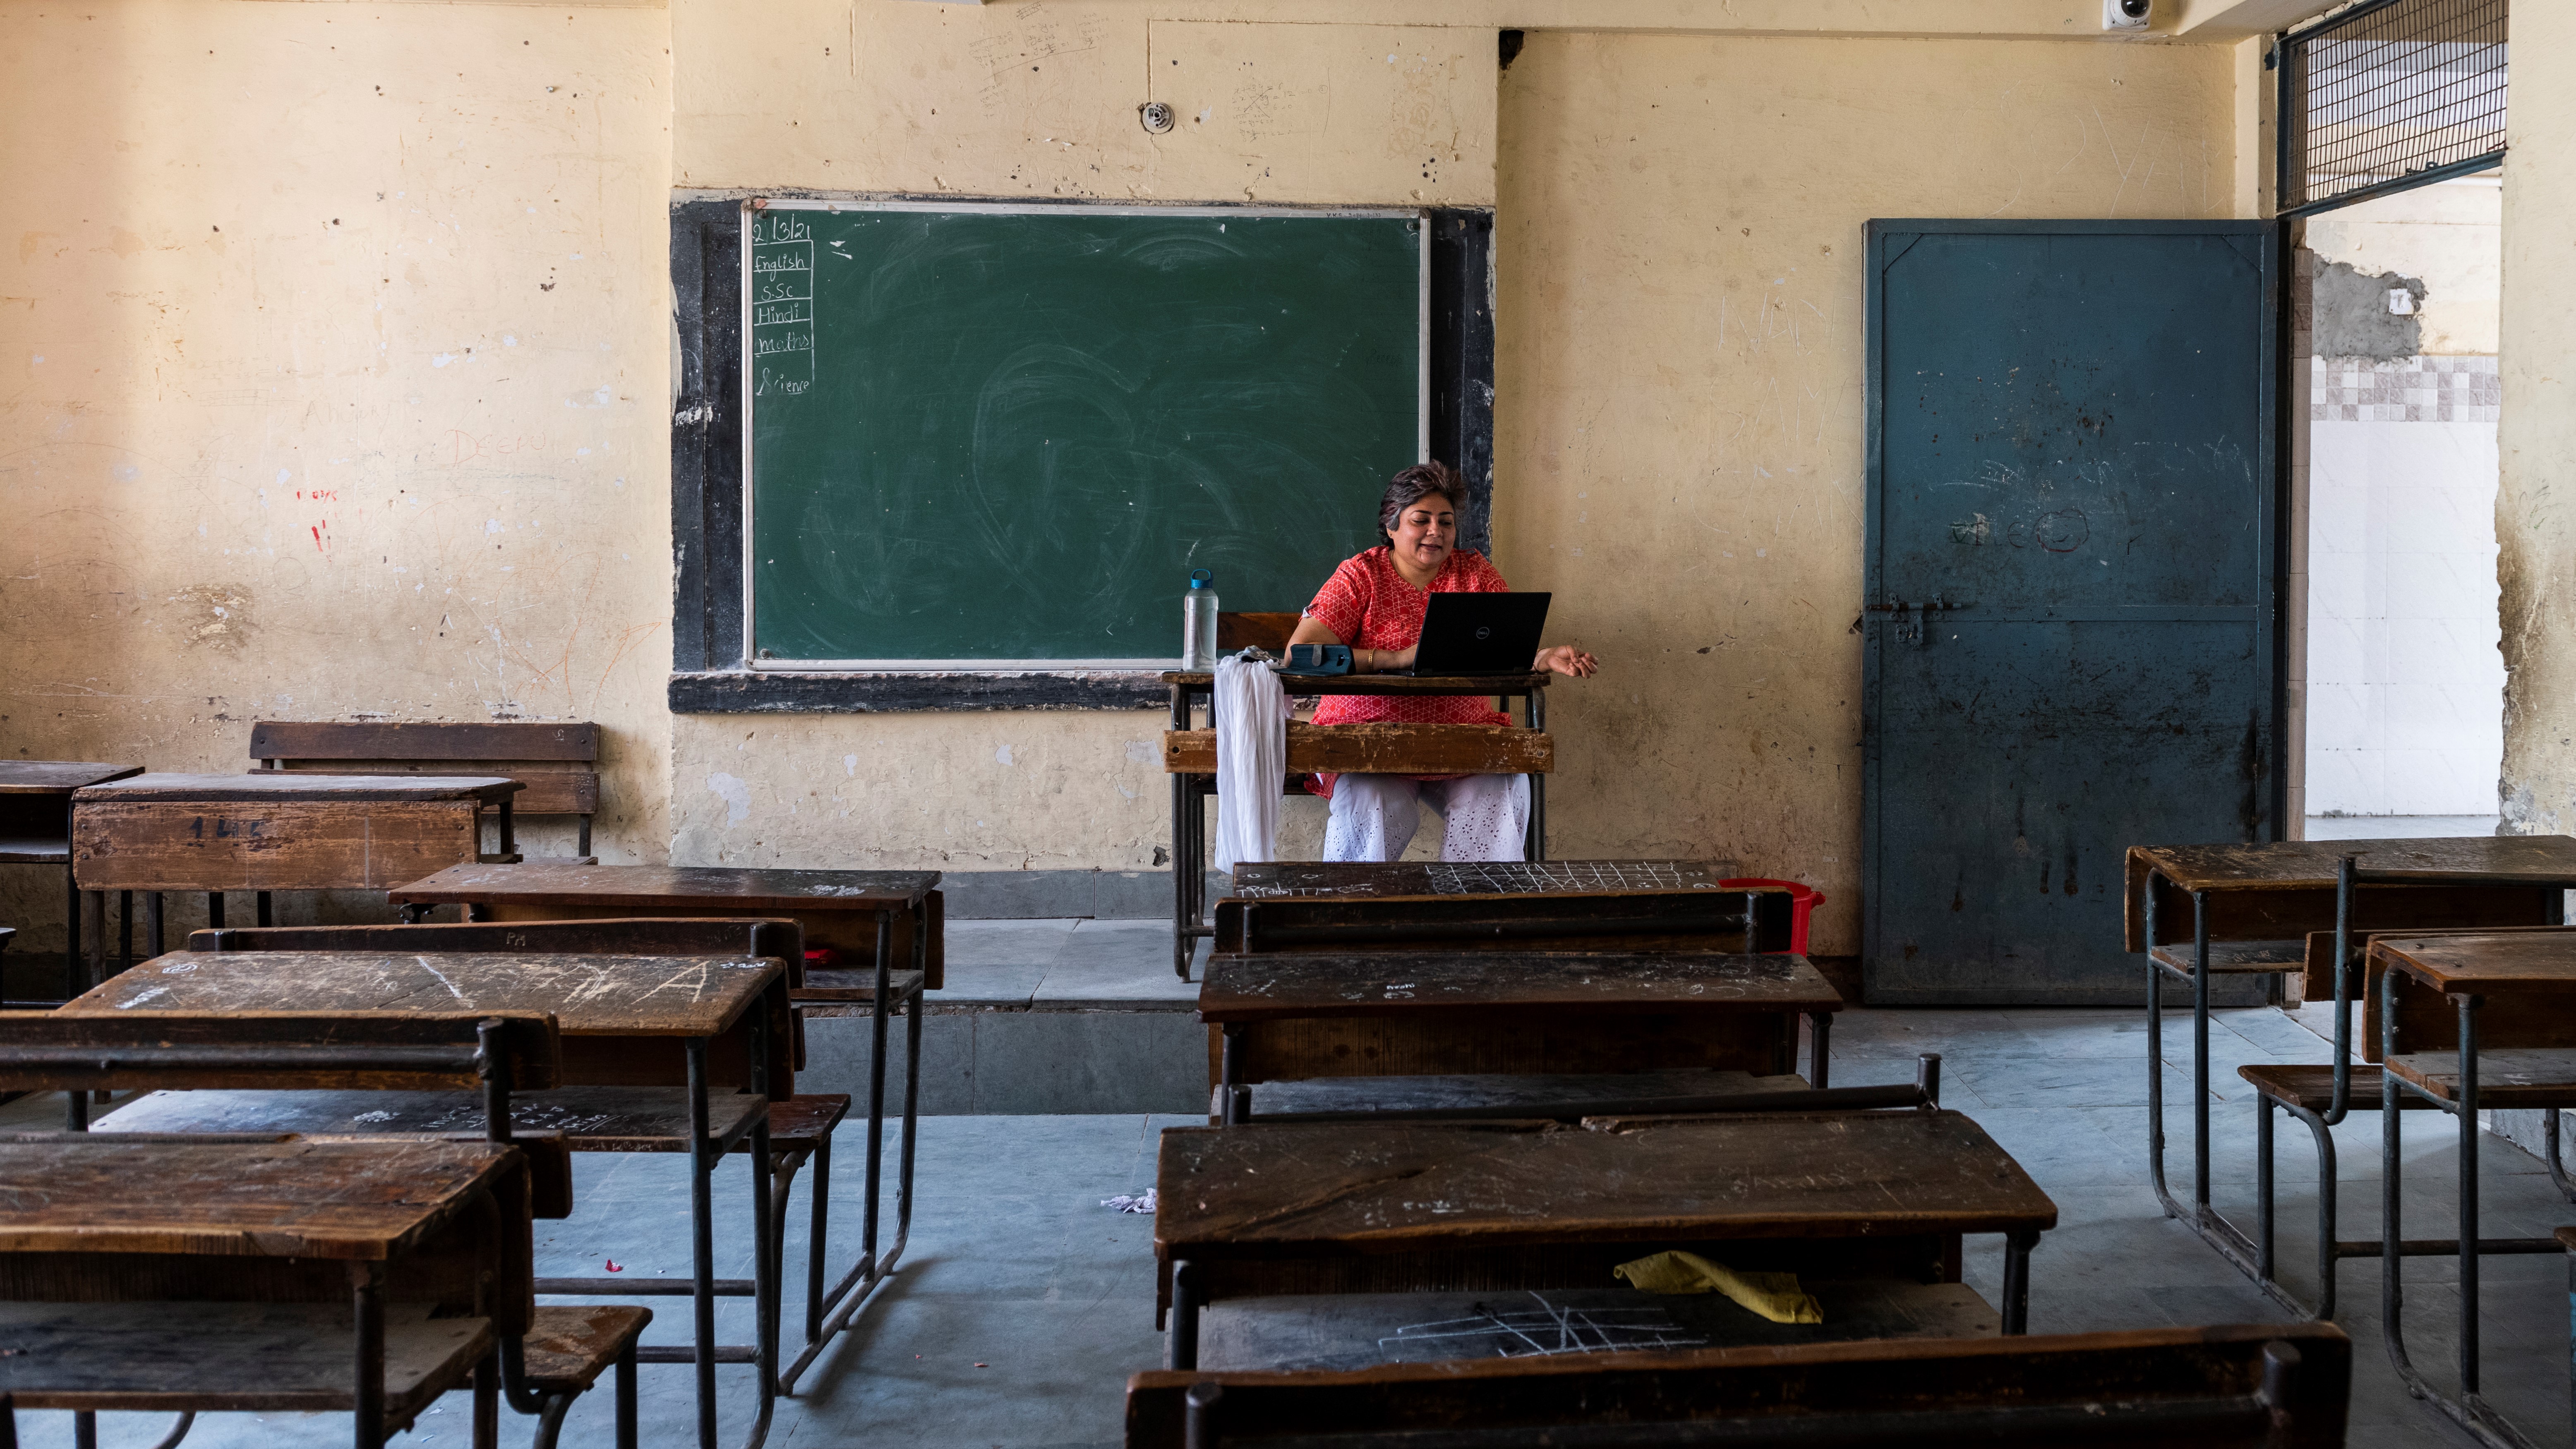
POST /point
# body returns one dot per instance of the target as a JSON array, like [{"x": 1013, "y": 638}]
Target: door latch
[{"x": 1914, "y": 622}]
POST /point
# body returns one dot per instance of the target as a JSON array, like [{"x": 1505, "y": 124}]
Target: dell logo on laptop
[{"x": 1484, "y": 633}]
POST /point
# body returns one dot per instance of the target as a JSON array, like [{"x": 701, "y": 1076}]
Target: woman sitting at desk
[{"x": 1374, "y": 602}]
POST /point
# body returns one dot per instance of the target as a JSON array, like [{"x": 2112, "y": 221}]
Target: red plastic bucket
[{"x": 1803, "y": 901}]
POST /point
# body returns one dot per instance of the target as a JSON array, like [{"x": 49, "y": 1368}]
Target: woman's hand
[{"x": 1568, "y": 660}]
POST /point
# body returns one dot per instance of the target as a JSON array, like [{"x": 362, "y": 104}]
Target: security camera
[{"x": 2127, "y": 14}]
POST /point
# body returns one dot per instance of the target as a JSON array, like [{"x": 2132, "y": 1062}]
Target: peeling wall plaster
[{"x": 2536, "y": 431}]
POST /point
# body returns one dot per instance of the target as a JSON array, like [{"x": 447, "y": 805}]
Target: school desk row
[
  {"x": 1446, "y": 1123},
  {"x": 2467, "y": 983}
]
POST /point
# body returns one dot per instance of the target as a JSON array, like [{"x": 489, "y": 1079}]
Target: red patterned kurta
[{"x": 1370, "y": 606}]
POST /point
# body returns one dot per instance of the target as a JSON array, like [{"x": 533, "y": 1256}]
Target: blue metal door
[{"x": 2073, "y": 589}]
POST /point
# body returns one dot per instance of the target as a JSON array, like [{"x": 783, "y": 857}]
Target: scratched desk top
[
  {"x": 2310, "y": 864},
  {"x": 624, "y": 996},
  {"x": 2469, "y": 962},
  {"x": 57, "y": 777},
  {"x": 1296, "y": 987},
  {"x": 1283, "y": 880},
  {"x": 1378, "y": 1187},
  {"x": 277, "y": 788},
  {"x": 79, "y": 1192},
  {"x": 668, "y": 886}
]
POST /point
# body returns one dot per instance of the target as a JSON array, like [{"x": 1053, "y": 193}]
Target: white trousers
[{"x": 1374, "y": 816}]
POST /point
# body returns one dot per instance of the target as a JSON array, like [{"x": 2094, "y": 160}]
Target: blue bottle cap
[{"x": 1202, "y": 579}]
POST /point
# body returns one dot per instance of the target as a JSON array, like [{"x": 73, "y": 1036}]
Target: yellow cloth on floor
[{"x": 1775, "y": 1296}]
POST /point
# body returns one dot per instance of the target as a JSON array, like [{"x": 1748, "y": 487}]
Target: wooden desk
[
  {"x": 297, "y": 1253},
  {"x": 1189, "y": 757},
  {"x": 626, "y": 1021},
  {"x": 2247, "y": 910},
  {"x": 2530, "y": 1063},
  {"x": 879, "y": 916},
  {"x": 1341, "y": 880},
  {"x": 36, "y": 829},
  {"x": 1401, "y": 1207},
  {"x": 264, "y": 833},
  {"x": 1402, "y": 1014},
  {"x": 868, "y": 915}
]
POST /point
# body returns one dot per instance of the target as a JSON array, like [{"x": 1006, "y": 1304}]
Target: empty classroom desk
[
  {"x": 2285, "y": 1385},
  {"x": 2250, "y": 909},
  {"x": 878, "y": 916},
  {"x": 1496, "y": 1013},
  {"x": 36, "y": 829},
  {"x": 2468, "y": 1023},
  {"x": 314, "y": 1277},
  {"x": 1189, "y": 757},
  {"x": 1408, "y": 1224},
  {"x": 565, "y": 754},
  {"x": 628, "y": 1023},
  {"x": 264, "y": 833}
]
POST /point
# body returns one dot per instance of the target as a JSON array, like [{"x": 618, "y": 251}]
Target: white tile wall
[{"x": 2405, "y": 688}]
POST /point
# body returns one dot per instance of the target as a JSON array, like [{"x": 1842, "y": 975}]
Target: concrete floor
[{"x": 1023, "y": 1304}]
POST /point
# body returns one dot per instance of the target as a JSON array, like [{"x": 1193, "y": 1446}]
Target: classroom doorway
[
  {"x": 2073, "y": 589},
  {"x": 2401, "y": 699}
]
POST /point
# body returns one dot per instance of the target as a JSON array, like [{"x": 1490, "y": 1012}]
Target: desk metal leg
[
  {"x": 215, "y": 909},
  {"x": 702, "y": 1241},
  {"x": 72, "y": 935},
  {"x": 1183, "y": 1350},
  {"x": 1820, "y": 1026},
  {"x": 263, "y": 914},
  {"x": 124, "y": 931},
  {"x": 1536, "y": 847},
  {"x": 152, "y": 922},
  {"x": 2016, "y": 1311},
  {"x": 876, "y": 1085},
  {"x": 2200, "y": 1054},
  {"x": 367, "y": 1293},
  {"x": 1234, "y": 1100}
]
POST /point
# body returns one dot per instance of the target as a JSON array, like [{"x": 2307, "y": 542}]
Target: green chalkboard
[{"x": 983, "y": 436}]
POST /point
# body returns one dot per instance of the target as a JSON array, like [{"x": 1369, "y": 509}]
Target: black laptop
[{"x": 1469, "y": 634}]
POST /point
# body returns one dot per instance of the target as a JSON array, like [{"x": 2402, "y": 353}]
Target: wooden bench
[
  {"x": 558, "y": 762},
  {"x": 1407, "y": 1224},
  {"x": 263, "y": 833},
  {"x": 479, "y": 1056},
  {"x": 2279, "y": 1386},
  {"x": 664, "y": 1028},
  {"x": 2247, "y": 910},
  {"x": 800, "y": 1125},
  {"x": 1397, "y": 1014}
]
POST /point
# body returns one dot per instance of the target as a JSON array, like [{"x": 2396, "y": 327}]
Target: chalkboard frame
[
  {"x": 758, "y": 659},
  {"x": 708, "y": 674}
]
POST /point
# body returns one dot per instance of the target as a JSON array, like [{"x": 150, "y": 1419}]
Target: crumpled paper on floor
[
  {"x": 1143, "y": 1204},
  {"x": 1776, "y": 1296}
]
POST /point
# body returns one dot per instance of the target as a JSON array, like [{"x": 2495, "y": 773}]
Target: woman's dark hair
[{"x": 1413, "y": 485}]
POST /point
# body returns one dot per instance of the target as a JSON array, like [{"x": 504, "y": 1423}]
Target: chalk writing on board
[{"x": 782, "y": 305}]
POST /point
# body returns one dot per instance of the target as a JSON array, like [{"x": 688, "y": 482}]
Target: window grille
[{"x": 2388, "y": 95}]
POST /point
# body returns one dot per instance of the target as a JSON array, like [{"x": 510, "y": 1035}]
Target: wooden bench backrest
[
  {"x": 348, "y": 747},
  {"x": 2284, "y": 915},
  {"x": 1255, "y": 631},
  {"x": 391, "y": 1051},
  {"x": 2204, "y": 1388},
  {"x": 629, "y": 936},
  {"x": 1742, "y": 921}
]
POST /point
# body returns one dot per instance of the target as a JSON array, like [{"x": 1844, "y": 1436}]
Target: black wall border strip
[{"x": 707, "y": 676}]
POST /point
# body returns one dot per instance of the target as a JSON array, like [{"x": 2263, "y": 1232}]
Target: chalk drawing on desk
[
  {"x": 782, "y": 306},
  {"x": 1544, "y": 1331}
]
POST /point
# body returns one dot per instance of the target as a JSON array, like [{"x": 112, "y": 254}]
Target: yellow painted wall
[
  {"x": 2536, "y": 434},
  {"x": 332, "y": 381},
  {"x": 1679, "y": 453}
]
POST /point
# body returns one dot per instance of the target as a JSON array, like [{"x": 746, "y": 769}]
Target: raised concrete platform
[{"x": 1039, "y": 1017}]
